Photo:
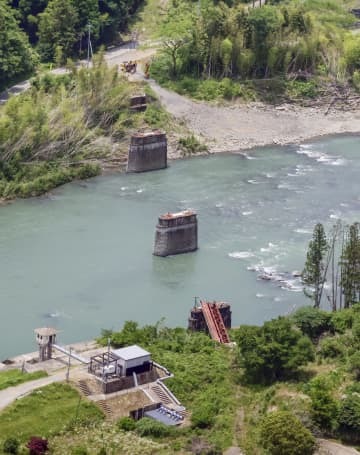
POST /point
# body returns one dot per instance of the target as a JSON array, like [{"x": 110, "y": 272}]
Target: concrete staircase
[
  {"x": 84, "y": 388},
  {"x": 105, "y": 407},
  {"x": 161, "y": 394}
]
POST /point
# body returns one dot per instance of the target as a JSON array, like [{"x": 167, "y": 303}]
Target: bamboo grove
[{"x": 231, "y": 39}]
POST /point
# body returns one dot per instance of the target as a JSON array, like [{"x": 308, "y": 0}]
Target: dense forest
[{"x": 54, "y": 30}]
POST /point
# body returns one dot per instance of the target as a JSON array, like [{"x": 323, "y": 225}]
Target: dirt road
[
  {"x": 7, "y": 396},
  {"x": 238, "y": 126},
  {"x": 333, "y": 448}
]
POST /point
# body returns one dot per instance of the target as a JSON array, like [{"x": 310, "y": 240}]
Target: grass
[
  {"x": 204, "y": 381},
  {"x": 45, "y": 412},
  {"x": 11, "y": 378},
  {"x": 105, "y": 436}
]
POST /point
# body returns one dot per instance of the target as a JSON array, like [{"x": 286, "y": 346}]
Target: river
[{"x": 81, "y": 259}]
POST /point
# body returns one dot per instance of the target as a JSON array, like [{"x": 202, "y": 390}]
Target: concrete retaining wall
[
  {"x": 147, "y": 152},
  {"x": 127, "y": 382}
]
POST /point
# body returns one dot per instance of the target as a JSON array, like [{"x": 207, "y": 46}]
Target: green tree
[
  {"x": 349, "y": 416},
  {"x": 281, "y": 433},
  {"x": 324, "y": 409},
  {"x": 264, "y": 24},
  {"x": 28, "y": 11},
  {"x": 313, "y": 322},
  {"x": 176, "y": 32},
  {"x": 114, "y": 17},
  {"x": 11, "y": 445},
  {"x": 314, "y": 273},
  {"x": 57, "y": 29},
  {"x": 350, "y": 275},
  {"x": 88, "y": 14},
  {"x": 354, "y": 365},
  {"x": 16, "y": 56},
  {"x": 272, "y": 352}
]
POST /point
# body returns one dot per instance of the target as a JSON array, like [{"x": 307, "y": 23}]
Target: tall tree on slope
[
  {"x": 314, "y": 273},
  {"x": 57, "y": 30}
]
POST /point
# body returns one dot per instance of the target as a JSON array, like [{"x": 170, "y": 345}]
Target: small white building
[
  {"x": 132, "y": 358},
  {"x": 121, "y": 362}
]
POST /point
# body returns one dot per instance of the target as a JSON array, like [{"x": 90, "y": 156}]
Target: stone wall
[
  {"x": 127, "y": 382},
  {"x": 176, "y": 236},
  {"x": 138, "y": 103},
  {"x": 147, "y": 152}
]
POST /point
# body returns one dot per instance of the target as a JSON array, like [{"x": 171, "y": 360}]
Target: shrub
[
  {"x": 88, "y": 170},
  {"x": 203, "y": 416},
  {"x": 37, "y": 446},
  {"x": 126, "y": 424},
  {"x": 349, "y": 417},
  {"x": 281, "y": 433},
  {"x": 342, "y": 320},
  {"x": 354, "y": 365},
  {"x": 155, "y": 116},
  {"x": 272, "y": 352},
  {"x": 11, "y": 445},
  {"x": 356, "y": 79},
  {"x": 299, "y": 89},
  {"x": 190, "y": 145},
  {"x": 150, "y": 427},
  {"x": 312, "y": 321},
  {"x": 356, "y": 330},
  {"x": 331, "y": 348},
  {"x": 324, "y": 409},
  {"x": 79, "y": 450}
]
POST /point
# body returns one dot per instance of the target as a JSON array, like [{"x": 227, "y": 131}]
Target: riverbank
[{"x": 242, "y": 127}]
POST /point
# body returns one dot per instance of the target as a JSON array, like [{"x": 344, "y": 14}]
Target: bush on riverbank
[{"x": 65, "y": 126}]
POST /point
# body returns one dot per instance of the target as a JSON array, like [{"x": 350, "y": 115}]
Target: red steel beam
[{"x": 215, "y": 322}]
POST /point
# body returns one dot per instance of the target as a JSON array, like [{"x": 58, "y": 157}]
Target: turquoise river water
[{"x": 81, "y": 259}]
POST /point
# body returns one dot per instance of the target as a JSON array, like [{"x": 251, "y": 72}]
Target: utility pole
[
  {"x": 68, "y": 367},
  {"x": 89, "y": 46}
]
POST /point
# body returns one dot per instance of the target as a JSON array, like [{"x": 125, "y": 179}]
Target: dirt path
[
  {"x": 239, "y": 126},
  {"x": 332, "y": 448},
  {"x": 7, "y": 396}
]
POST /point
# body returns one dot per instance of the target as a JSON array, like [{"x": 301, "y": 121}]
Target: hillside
[{"x": 307, "y": 372}]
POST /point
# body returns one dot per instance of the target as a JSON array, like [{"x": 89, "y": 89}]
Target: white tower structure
[{"x": 45, "y": 337}]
